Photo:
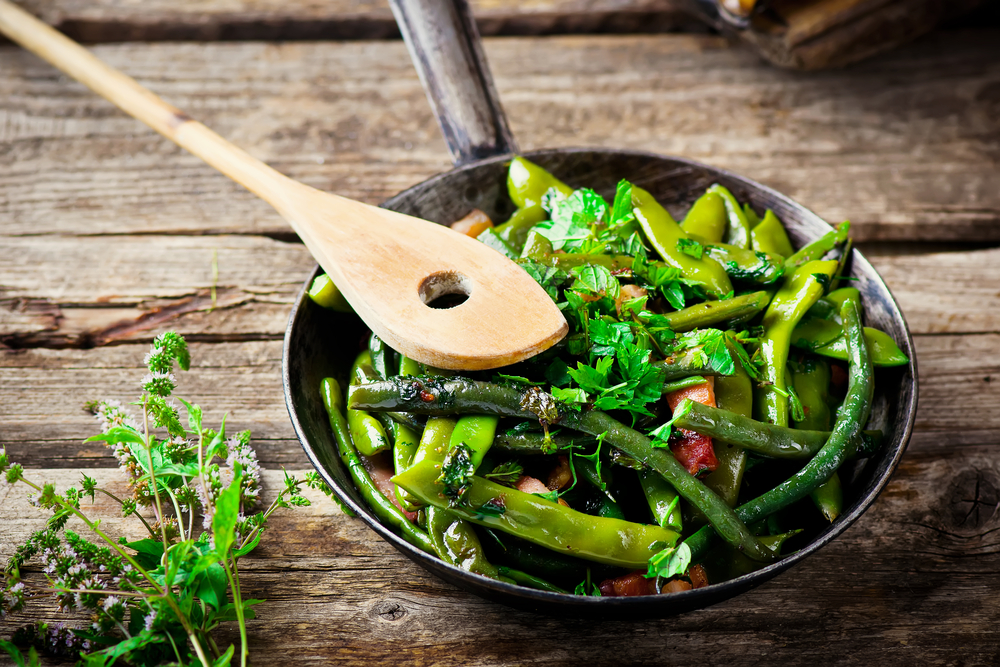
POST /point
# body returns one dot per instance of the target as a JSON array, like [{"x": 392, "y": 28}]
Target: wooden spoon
[{"x": 388, "y": 265}]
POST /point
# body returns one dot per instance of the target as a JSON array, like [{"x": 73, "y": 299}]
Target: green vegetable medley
[{"x": 688, "y": 430}]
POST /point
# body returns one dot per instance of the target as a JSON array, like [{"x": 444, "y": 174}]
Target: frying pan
[{"x": 444, "y": 43}]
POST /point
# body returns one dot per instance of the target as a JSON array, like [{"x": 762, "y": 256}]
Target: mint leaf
[
  {"x": 595, "y": 279},
  {"x": 227, "y": 510},
  {"x": 549, "y": 277}
]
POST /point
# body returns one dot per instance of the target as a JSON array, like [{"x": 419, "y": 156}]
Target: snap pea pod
[
  {"x": 752, "y": 217},
  {"x": 333, "y": 401},
  {"x": 526, "y": 184},
  {"x": 737, "y": 226},
  {"x": 406, "y": 437},
  {"x": 818, "y": 248},
  {"x": 475, "y": 432},
  {"x": 769, "y": 236},
  {"x": 776, "y": 442},
  {"x": 733, "y": 393},
  {"x": 826, "y": 338},
  {"x": 663, "y": 233},
  {"x": 662, "y": 499},
  {"x": 811, "y": 380},
  {"x": 467, "y": 396},
  {"x": 456, "y": 543},
  {"x": 707, "y": 218},
  {"x": 789, "y": 304},
  {"x": 746, "y": 265},
  {"x": 367, "y": 431},
  {"x": 541, "y": 521},
  {"x": 851, "y": 418},
  {"x": 529, "y": 580},
  {"x": 710, "y": 313},
  {"x": 324, "y": 293},
  {"x": 434, "y": 445}
]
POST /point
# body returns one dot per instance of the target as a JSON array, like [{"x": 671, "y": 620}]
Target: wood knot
[
  {"x": 387, "y": 610},
  {"x": 974, "y": 498}
]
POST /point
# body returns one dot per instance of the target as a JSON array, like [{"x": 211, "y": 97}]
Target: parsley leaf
[
  {"x": 507, "y": 473},
  {"x": 595, "y": 279},
  {"x": 571, "y": 218},
  {"x": 570, "y": 398},
  {"x": 456, "y": 472},
  {"x": 691, "y": 248},
  {"x": 549, "y": 277}
]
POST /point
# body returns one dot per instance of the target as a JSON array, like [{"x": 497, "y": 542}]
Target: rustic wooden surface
[{"x": 108, "y": 236}]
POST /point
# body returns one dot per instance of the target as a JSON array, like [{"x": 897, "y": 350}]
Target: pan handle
[{"x": 446, "y": 50}]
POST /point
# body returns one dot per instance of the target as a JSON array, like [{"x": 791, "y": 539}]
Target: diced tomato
[
  {"x": 628, "y": 585},
  {"x": 694, "y": 451},
  {"x": 473, "y": 224},
  {"x": 379, "y": 468}
]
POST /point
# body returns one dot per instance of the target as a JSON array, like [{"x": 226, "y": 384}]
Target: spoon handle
[{"x": 126, "y": 94}]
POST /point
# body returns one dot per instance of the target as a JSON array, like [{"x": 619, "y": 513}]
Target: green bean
[
  {"x": 826, "y": 338},
  {"x": 713, "y": 312},
  {"x": 531, "y": 443},
  {"x": 791, "y": 302},
  {"x": 529, "y": 580},
  {"x": 382, "y": 507},
  {"x": 475, "y": 432},
  {"x": 776, "y": 442},
  {"x": 851, "y": 418},
  {"x": 434, "y": 445},
  {"x": 752, "y": 217},
  {"x": 367, "y": 431},
  {"x": 466, "y": 396},
  {"x": 818, "y": 248},
  {"x": 381, "y": 356}
]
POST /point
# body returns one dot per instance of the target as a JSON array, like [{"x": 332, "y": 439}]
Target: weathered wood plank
[
  {"x": 83, "y": 291},
  {"x": 156, "y": 20},
  {"x": 43, "y": 392},
  {"x": 904, "y": 145},
  {"x": 914, "y": 582}
]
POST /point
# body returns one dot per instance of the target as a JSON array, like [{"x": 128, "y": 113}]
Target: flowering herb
[{"x": 162, "y": 598}]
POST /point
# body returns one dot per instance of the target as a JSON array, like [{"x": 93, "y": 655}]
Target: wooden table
[{"x": 109, "y": 232}]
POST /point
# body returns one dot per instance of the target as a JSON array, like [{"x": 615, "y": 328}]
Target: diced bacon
[
  {"x": 379, "y": 468},
  {"x": 560, "y": 476},
  {"x": 473, "y": 224},
  {"x": 534, "y": 485},
  {"x": 694, "y": 451},
  {"x": 628, "y": 585}
]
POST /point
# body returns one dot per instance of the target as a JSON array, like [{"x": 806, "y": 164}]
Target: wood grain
[
  {"x": 210, "y": 20},
  {"x": 905, "y": 145},
  {"x": 926, "y": 552}
]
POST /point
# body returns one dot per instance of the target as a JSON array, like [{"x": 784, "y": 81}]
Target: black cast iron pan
[{"x": 319, "y": 343}]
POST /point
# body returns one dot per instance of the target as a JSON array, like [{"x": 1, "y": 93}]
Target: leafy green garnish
[
  {"x": 670, "y": 562},
  {"x": 493, "y": 507},
  {"x": 456, "y": 472},
  {"x": 595, "y": 279},
  {"x": 571, "y": 219},
  {"x": 691, "y": 248},
  {"x": 549, "y": 277},
  {"x": 507, "y": 473}
]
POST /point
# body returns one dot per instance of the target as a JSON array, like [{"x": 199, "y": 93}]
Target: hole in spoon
[{"x": 445, "y": 289}]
